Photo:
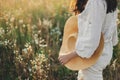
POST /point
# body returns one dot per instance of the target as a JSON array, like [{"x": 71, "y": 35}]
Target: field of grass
[{"x": 30, "y": 38}]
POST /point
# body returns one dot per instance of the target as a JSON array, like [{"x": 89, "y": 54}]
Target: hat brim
[{"x": 68, "y": 45}]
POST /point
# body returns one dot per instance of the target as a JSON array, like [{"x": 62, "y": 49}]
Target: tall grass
[{"x": 30, "y": 38}]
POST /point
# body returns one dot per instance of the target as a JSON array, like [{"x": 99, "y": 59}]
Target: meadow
[{"x": 30, "y": 38}]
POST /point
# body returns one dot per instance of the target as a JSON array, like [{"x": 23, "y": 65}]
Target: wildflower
[
  {"x": 27, "y": 45},
  {"x": 21, "y": 21},
  {"x": 23, "y": 25},
  {"x": 25, "y": 51},
  {"x": 12, "y": 19},
  {"x": 2, "y": 31},
  {"x": 6, "y": 42},
  {"x": 30, "y": 69},
  {"x": 42, "y": 45},
  {"x": 28, "y": 25},
  {"x": 46, "y": 22},
  {"x": 39, "y": 22},
  {"x": 34, "y": 26},
  {"x": 16, "y": 27},
  {"x": 7, "y": 22},
  {"x": 29, "y": 49},
  {"x": 36, "y": 41},
  {"x": 39, "y": 31}
]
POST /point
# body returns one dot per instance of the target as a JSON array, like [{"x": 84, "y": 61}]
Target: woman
[{"x": 94, "y": 17}]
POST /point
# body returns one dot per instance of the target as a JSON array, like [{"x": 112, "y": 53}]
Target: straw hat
[{"x": 68, "y": 45}]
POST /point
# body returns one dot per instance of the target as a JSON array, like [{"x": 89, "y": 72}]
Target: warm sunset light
[{"x": 31, "y": 34}]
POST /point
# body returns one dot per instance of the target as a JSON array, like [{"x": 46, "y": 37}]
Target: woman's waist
[
  {"x": 108, "y": 47},
  {"x": 107, "y": 39}
]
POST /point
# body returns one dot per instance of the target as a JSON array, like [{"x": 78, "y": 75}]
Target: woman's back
[{"x": 109, "y": 28}]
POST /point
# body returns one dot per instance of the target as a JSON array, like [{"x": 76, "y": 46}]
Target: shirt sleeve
[
  {"x": 115, "y": 38},
  {"x": 115, "y": 34},
  {"x": 89, "y": 32}
]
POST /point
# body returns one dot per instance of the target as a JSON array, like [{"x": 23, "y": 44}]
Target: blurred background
[{"x": 30, "y": 38}]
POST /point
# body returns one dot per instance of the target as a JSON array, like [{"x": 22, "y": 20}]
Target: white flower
[
  {"x": 2, "y": 31},
  {"x": 12, "y": 19},
  {"x": 30, "y": 69},
  {"x": 43, "y": 45},
  {"x": 6, "y": 42},
  {"x": 25, "y": 51},
  {"x": 39, "y": 31},
  {"x": 23, "y": 25},
  {"x": 21, "y": 21},
  {"x": 27, "y": 45},
  {"x": 36, "y": 41},
  {"x": 46, "y": 22}
]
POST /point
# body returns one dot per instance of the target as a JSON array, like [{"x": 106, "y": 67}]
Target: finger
[
  {"x": 59, "y": 58},
  {"x": 62, "y": 62}
]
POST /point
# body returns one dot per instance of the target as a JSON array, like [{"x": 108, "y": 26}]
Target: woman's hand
[{"x": 66, "y": 58}]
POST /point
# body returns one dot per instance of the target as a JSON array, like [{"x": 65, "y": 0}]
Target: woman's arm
[
  {"x": 65, "y": 58},
  {"x": 90, "y": 27}
]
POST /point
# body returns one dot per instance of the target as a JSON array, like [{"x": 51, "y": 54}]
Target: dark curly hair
[{"x": 78, "y": 6}]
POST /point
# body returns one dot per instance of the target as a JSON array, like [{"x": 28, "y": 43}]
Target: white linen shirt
[{"x": 91, "y": 22}]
